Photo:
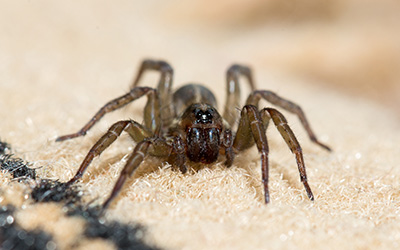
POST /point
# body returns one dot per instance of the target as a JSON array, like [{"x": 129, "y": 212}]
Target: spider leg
[
  {"x": 251, "y": 131},
  {"x": 271, "y": 97},
  {"x": 135, "y": 130},
  {"x": 117, "y": 103},
  {"x": 233, "y": 90},
  {"x": 290, "y": 139},
  {"x": 156, "y": 146},
  {"x": 227, "y": 144},
  {"x": 152, "y": 112},
  {"x": 164, "y": 87},
  {"x": 177, "y": 156},
  {"x": 131, "y": 165}
]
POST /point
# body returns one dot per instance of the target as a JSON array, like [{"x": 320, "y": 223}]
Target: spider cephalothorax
[
  {"x": 203, "y": 128},
  {"x": 185, "y": 126}
]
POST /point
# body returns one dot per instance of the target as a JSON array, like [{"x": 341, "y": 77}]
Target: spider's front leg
[
  {"x": 131, "y": 165},
  {"x": 251, "y": 130},
  {"x": 294, "y": 146},
  {"x": 117, "y": 103},
  {"x": 252, "y": 126},
  {"x": 155, "y": 146},
  {"x": 177, "y": 156},
  {"x": 134, "y": 129},
  {"x": 273, "y": 98},
  {"x": 227, "y": 144}
]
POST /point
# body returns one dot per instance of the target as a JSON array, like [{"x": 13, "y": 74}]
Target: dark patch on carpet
[
  {"x": 12, "y": 236},
  {"x": 16, "y": 167},
  {"x": 124, "y": 236},
  {"x": 54, "y": 191}
]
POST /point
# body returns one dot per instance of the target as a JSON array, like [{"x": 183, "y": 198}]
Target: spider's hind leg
[
  {"x": 164, "y": 86},
  {"x": 233, "y": 90}
]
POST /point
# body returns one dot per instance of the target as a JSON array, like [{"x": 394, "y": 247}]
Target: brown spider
[{"x": 185, "y": 126}]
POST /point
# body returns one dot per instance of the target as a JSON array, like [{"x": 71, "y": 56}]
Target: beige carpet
[{"x": 60, "y": 62}]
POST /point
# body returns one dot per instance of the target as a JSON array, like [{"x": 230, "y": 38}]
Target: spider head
[
  {"x": 204, "y": 116},
  {"x": 203, "y": 126},
  {"x": 201, "y": 114}
]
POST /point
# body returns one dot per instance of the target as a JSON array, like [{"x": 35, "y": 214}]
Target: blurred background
[{"x": 350, "y": 46}]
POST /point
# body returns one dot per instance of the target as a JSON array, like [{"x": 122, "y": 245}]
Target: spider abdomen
[{"x": 203, "y": 144}]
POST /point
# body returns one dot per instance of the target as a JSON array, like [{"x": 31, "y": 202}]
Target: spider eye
[{"x": 203, "y": 116}]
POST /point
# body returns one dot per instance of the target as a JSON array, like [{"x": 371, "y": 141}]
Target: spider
[{"x": 184, "y": 126}]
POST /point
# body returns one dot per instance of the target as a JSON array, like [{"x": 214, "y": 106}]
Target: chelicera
[{"x": 184, "y": 126}]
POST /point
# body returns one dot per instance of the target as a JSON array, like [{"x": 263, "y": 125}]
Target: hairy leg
[
  {"x": 106, "y": 140},
  {"x": 164, "y": 86},
  {"x": 271, "y": 97},
  {"x": 251, "y": 131},
  {"x": 227, "y": 144},
  {"x": 290, "y": 139},
  {"x": 178, "y": 156},
  {"x": 131, "y": 165},
  {"x": 117, "y": 103},
  {"x": 233, "y": 90},
  {"x": 155, "y": 146}
]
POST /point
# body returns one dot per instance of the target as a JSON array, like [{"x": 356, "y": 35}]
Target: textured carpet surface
[{"x": 60, "y": 62}]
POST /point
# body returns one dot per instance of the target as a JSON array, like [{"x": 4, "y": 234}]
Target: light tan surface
[{"x": 60, "y": 62}]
